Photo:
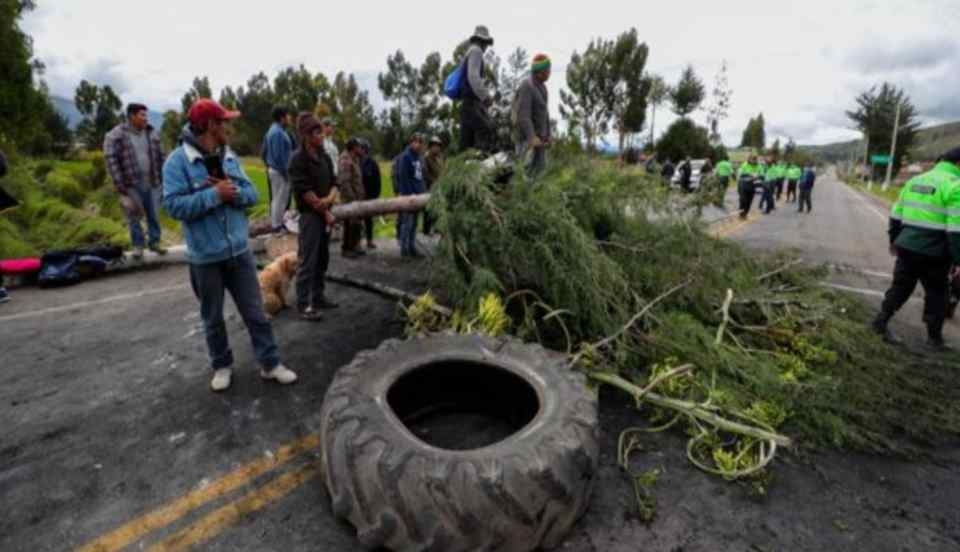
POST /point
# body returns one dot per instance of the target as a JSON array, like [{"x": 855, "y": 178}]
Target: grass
[{"x": 889, "y": 196}]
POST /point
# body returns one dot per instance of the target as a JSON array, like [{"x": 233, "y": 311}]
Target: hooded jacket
[{"x": 214, "y": 231}]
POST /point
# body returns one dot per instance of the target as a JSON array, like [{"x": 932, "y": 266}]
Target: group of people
[{"x": 769, "y": 178}]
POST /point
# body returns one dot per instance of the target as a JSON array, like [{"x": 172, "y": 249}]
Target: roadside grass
[{"x": 890, "y": 195}]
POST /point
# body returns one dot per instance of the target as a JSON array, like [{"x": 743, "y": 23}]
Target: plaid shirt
[{"x": 122, "y": 160}]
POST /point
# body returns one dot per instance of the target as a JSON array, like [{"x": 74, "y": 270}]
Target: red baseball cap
[{"x": 205, "y": 110}]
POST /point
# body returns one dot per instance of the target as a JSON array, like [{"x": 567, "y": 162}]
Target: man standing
[
  {"x": 314, "y": 192},
  {"x": 205, "y": 188},
  {"x": 350, "y": 182},
  {"x": 794, "y": 173},
  {"x": 277, "y": 148},
  {"x": 771, "y": 177},
  {"x": 134, "y": 159},
  {"x": 475, "y": 124},
  {"x": 531, "y": 117},
  {"x": 411, "y": 183},
  {"x": 746, "y": 184},
  {"x": 433, "y": 170},
  {"x": 686, "y": 175},
  {"x": 371, "y": 186},
  {"x": 807, "y": 179},
  {"x": 724, "y": 171},
  {"x": 329, "y": 127},
  {"x": 925, "y": 237},
  {"x": 667, "y": 172}
]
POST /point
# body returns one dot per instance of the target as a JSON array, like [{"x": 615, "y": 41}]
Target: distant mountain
[
  {"x": 66, "y": 108},
  {"x": 930, "y": 143}
]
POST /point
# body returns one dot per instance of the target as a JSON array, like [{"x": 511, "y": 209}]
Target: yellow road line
[
  {"x": 215, "y": 522},
  {"x": 171, "y": 512},
  {"x": 727, "y": 230}
]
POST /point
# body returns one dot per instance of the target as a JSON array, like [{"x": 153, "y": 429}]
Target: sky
[{"x": 799, "y": 63}]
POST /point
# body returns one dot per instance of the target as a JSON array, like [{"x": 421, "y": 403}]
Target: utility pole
[
  {"x": 893, "y": 148},
  {"x": 866, "y": 160}
]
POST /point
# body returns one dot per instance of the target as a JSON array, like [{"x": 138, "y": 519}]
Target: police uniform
[{"x": 925, "y": 229}]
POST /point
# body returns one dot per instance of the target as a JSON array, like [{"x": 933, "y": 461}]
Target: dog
[{"x": 275, "y": 283}]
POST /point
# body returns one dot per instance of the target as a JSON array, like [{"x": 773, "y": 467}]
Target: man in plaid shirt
[{"x": 134, "y": 160}]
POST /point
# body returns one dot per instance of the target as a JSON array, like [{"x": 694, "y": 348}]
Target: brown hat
[{"x": 307, "y": 122}]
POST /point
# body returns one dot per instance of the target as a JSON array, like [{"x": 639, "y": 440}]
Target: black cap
[{"x": 952, "y": 156}]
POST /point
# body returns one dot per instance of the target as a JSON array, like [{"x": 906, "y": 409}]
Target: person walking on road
[
  {"x": 205, "y": 188},
  {"x": 724, "y": 171},
  {"x": 747, "y": 175},
  {"x": 771, "y": 177},
  {"x": 277, "y": 148},
  {"x": 805, "y": 183},
  {"x": 531, "y": 116},
  {"x": 476, "y": 127},
  {"x": 411, "y": 183},
  {"x": 925, "y": 237},
  {"x": 314, "y": 193},
  {"x": 372, "y": 185},
  {"x": 350, "y": 182},
  {"x": 433, "y": 165},
  {"x": 782, "y": 176},
  {"x": 134, "y": 160},
  {"x": 794, "y": 173}
]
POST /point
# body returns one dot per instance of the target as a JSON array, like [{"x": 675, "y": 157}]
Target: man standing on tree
[
  {"x": 205, "y": 188},
  {"x": 277, "y": 148},
  {"x": 475, "y": 124},
  {"x": 531, "y": 116},
  {"x": 925, "y": 237},
  {"x": 314, "y": 192},
  {"x": 134, "y": 159},
  {"x": 433, "y": 170},
  {"x": 350, "y": 182}
]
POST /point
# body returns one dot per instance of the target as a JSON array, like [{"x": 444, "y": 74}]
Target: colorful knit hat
[{"x": 541, "y": 62}]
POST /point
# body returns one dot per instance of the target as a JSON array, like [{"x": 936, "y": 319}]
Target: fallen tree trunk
[{"x": 375, "y": 207}]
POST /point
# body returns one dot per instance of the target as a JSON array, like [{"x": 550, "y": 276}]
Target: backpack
[
  {"x": 60, "y": 268},
  {"x": 453, "y": 86}
]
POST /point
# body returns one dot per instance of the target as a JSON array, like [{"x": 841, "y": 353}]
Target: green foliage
[
  {"x": 875, "y": 114},
  {"x": 682, "y": 139},
  {"x": 688, "y": 94},
  {"x": 101, "y": 109},
  {"x": 584, "y": 248},
  {"x": 754, "y": 136}
]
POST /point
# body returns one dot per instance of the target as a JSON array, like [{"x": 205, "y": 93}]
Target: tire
[{"x": 521, "y": 492}]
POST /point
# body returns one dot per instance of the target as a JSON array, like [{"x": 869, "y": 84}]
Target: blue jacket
[
  {"x": 807, "y": 180},
  {"x": 214, "y": 231},
  {"x": 411, "y": 173},
  {"x": 277, "y": 149}
]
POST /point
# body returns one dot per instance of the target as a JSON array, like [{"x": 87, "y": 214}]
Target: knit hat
[
  {"x": 541, "y": 62},
  {"x": 307, "y": 123}
]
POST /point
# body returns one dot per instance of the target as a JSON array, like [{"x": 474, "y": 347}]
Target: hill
[
  {"x": 66, "y": 108},
  {"x": 930, "y": 143}
]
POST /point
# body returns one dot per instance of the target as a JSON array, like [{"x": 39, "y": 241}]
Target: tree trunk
[
  {"x": 376, "y": 207},
  {"x": 653, "y": 121}
]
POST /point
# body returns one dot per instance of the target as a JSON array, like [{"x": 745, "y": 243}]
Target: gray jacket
[
  {"x": 475, "y": 72},
  {"x": 530, "y": 114}
]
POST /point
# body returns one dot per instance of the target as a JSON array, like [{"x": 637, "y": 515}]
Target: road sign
[{"x": 880, "y": 159}]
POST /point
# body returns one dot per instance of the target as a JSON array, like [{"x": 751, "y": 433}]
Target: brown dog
[{"x": 275, "y": 282}]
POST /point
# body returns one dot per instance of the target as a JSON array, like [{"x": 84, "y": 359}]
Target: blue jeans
[
  {"x": 408, "y": 233},
  {"x": 239, "y": 276},
  {"x": 146, "y": 199}
]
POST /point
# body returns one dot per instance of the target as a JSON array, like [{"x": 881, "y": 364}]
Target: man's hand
[
  {"x": 536, "y": 142},
  {"x": 226, "y": 190},
  {"x": 331, "y": 220}
]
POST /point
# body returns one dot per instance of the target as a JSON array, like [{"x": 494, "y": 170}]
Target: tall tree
[
  {"x": 199, "y": 89},
  {"x": 688, "y": 94},
  {"x": 415, "y": 99},
  {"x": 511, "y": 74},
  {"x": 350, "y": 106},
  {"x": 173, "y": 123},
  {"x": 720, "y": 103},
  {"x": 754, "y": 136},
  {"x": 101, "y": 109},
  {"x": 874, "y": 115},
  {"x": 299, "y": 90},
  {"x": 629, "y": 87},
  {"x": 775, "y": 149},
  {"x": 659, "y": 92},
  {"x": 586, "y": 105}
]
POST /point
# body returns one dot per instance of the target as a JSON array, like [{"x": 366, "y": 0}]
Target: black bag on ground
[{"x": 59, "y": 268}]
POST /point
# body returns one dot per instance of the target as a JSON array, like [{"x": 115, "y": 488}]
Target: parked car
[{"x": 695, "y": 166}]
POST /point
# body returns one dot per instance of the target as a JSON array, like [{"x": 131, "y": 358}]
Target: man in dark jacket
[
  {"x": 433, "y": 165},
  {"x": 314, "y": 192},
  {"x": 411, "y": 183},
  {"x": 667, "y": 172},
  {"x": 686, "y": 175},
  {"x": 371, "y": 185},
  {"x": 134, "y": 159},
  {"x": 475, "y": 124},
  {"x": 806, "y": 181},
  {"x": 531, "y": 116},
  {"x": 350, "y": 182}
]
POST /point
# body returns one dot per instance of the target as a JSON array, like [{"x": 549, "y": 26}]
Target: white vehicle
[{"x": 695, "y": 166}]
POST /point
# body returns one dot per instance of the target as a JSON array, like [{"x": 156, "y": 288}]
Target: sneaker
[
  {"x": 281, "y": 374},
  {"x": 221, "y": 380},
  {"x": 310, "y": 315},
  {"x": 884, "y": 332},
  {"x": 327, "y": 304},
  {"x": 137, "y": 253},
  {"x": 4, "y": 296},
  {"x": 158, "y": 249}
]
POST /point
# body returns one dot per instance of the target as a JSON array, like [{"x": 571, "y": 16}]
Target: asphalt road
[{"x": 112, "y": 441}]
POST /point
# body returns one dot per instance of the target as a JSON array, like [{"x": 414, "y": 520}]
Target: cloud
[
  {"x": 105, "y": 71},
  {"x": 916, "y": 54}
]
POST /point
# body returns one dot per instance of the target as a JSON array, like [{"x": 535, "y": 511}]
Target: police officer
[
  {"x": 746, "y": 176},
  {"x": 925, "y": 237}
]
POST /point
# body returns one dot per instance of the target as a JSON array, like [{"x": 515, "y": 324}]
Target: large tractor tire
[{"x": 459, "y": 485}]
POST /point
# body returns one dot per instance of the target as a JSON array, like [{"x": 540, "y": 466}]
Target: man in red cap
[{"x": 205, "y": 188}]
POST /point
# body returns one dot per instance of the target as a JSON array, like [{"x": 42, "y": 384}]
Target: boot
[{"x": 880, "y": 328}]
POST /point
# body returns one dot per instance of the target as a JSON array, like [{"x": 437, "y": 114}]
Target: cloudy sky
[{"x": 800, "y": 63}]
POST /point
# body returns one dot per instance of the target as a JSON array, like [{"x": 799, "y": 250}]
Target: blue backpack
[{"x": 453, "y": 86}]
